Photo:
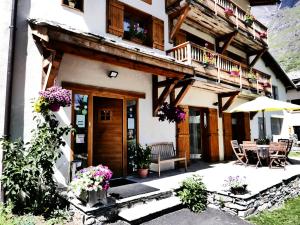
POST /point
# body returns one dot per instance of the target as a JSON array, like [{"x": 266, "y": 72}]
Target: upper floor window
[
  {"x": 275, "y": 92},
  {"x": 75, "y": 4},
  {"x": 134, "y": 25}
]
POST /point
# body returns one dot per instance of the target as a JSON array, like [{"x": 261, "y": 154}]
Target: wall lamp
[{"x": 113, "y": 74}]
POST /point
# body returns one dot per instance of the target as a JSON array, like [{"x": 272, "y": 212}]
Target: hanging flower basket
[
  {"x": 228, "y": 12},
  {"x": 171, "y": 113},
  {"x": 52, "y": 99}
]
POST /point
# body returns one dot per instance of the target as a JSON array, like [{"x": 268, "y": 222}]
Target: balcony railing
[
  {"x": 239, "y": 16},
  {"x": 221, "y": 67}
]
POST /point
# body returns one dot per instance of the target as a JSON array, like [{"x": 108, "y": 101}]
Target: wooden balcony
[
  {"x": 209, "y": 16},
  {"x": 222, "y": 69}
]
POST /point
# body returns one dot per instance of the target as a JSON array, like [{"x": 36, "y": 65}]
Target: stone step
[{"x": 142, "y": 210}]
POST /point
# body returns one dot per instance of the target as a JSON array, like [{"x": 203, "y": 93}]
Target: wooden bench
[{"x": 164, "y": 153}]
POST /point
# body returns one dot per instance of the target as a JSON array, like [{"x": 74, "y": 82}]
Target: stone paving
[{"x": 214, "y": 175}]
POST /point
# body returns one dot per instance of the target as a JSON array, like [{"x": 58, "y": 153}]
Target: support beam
[
  {"x": 227, "y": 39},
  {"x": 231, "y": 95},
  {"x": 259, "y": 54},
  {"x": 50, "y": 70},
  {"x": 158, "y": 101},
  {"x": 183, "y": 92},
  {"x": 180, "y": 21}
]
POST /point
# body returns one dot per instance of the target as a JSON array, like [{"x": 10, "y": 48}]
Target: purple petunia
[{"x": 57, "y": 95}]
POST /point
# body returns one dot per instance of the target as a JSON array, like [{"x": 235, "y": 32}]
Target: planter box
[
  {"x": 235, "y": 73},
  {"x": 136, "y": 40},
  {"x": 92, "y": 198}
]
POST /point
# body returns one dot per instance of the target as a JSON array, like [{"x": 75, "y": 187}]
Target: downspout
[
  {"x": 9, "y": 80},
  {"x": 10, "y": 68}
]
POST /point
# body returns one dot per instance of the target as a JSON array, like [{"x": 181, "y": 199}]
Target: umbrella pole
[{"x": 264, "y": 127}]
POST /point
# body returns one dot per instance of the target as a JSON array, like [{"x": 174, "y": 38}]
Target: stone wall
[{"x": 245, "y": 205}]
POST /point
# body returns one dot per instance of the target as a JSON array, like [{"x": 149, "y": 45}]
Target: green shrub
[
  {"x": 28, "y": 168},
  {"x": 7, "y": 218},
  {"x": 192, "y": 193}
]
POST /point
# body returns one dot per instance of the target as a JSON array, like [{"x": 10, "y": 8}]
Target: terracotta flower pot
[{"x": 143, "y": 173}]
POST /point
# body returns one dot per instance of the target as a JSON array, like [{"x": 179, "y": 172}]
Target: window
[
  {"x": 105, "y": 115},
  {"x": 81, "y": 125},
  {"x": 134, "y": 25},
  {"x": 276, "y": 124},
  {"x": 74, "y": 4},
  {"x": 275, "y": 92},
  {"x": 296, "y": 101}
]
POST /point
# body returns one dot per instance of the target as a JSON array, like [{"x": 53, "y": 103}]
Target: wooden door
[
  {"x": 183, "y": 136},
  {"x": 213, "y": 135},
  {"x": 108, "y": 134},
  {"x": 227, "y": 136}
]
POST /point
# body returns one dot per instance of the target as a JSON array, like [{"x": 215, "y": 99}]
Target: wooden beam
[
  {"x": 231, "y": 95},
  {"x": 227, "y": 41},
  {"x": 112, "y": 59},
  {"x": 102, "y": 90},
  {"x": 257, "y": 57},
  {"x": 229, "y": 102},
  {"x": 228, "y": 94},
  {"x": 183, "y": 92},
  {"x": 50, "y": 69},
  {"x": 180, "y": 21}
]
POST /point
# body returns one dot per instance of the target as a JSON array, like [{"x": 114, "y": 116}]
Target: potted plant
[
  {"x": 263, "y": 141},
  {"x": 137, "y": 33},
  {"x": 251, "y": 77},
  {"x": 90, "y": 184},
  {"x": 72, "y": 3},
  {"x": 143, "y": 160},
  {"x": 236, "y": 185},
  {"x": 235, "y": 72},
  {"x": 249, "y": 19},
  {"x": 228, "y": 12},
  {"x": 171, "y": 113}
]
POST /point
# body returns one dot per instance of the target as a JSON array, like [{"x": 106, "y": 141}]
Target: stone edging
[{"x": 269, "y": 198}]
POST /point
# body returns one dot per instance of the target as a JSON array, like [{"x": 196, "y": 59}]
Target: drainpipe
[
  {"x": 9, "y": 77},
  {"x": 10, "y": 67}
]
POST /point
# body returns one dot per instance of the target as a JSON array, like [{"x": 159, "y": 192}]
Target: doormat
[
  {"x": 120, "y": 182},
  {"x": 129, "y": 190}
]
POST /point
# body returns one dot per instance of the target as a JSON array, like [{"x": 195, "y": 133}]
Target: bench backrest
[{"x": 165, "y": 149}]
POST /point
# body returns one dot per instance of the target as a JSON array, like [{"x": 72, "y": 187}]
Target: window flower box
[
  {"x": 235, "y": 72},
  {"x": 90, "y": 185},
  {"x": 263, "y": 34},
  {"x": 228, "y": 12}
]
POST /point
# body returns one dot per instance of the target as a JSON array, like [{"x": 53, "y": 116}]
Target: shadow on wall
[{"x": 20, "y": 59}]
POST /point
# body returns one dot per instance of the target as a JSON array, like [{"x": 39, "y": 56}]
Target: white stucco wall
[
  {"x": 5, "y": 12},
  {"x": 93, "y": 17}
]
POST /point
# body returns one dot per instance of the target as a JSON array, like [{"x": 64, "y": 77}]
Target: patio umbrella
[{"x": 265, "y": 104}]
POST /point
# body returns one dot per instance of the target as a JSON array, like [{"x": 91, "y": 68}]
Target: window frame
[{"x": 76, "y": 9}]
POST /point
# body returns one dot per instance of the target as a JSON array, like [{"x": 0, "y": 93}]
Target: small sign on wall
[
  {"x": 80, "y": 121},
  {"x": 80, "y": 138}
]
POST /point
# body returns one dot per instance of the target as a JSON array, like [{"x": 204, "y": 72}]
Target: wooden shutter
[
  {"x": 158, "y": 33},
  {"x": 227, "y": 135},
  {"x": 213, "y": 135},
  {"x": 247, "y": 126},
  {"x": 115, "y": 17},
  {"x": 183, "y": 137}
]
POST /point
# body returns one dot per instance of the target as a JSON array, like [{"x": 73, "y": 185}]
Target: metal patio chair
[{"x": 239, "y": 153}]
